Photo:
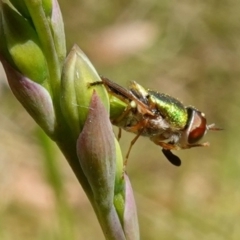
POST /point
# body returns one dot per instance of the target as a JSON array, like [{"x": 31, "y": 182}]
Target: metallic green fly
[{"x": 160, "y": 117}]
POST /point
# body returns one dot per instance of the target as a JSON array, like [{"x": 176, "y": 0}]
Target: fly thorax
[{"x": 172, "y": 110}]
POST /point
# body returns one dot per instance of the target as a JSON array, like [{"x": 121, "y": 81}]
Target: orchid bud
[
  {"x": 76, "y": 91},
  {"x": 23, "y": 45},
  {"x": 97, "y": 157},
  {"x": 35, "y": 98},
  {"x": 130, "y": 223},
  {"x": 58, "y": 33},
  {"x": 96, "y": 152}
]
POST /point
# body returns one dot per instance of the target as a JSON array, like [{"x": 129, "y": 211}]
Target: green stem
[{"x": 69, "y": 151}]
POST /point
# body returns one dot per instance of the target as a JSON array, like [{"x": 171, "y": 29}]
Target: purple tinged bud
[
  {"x": 34, "y": 98},
  {"x": 130, "y": 225},
  {"x": 58, "y": 33},
  {"x": 124, "y": 200},
  {"x": 97, "y": 157},
  {"x": 96, "y": 153}
]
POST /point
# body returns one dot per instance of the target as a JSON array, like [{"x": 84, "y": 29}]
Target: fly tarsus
[{"x": 173, "y": 159}]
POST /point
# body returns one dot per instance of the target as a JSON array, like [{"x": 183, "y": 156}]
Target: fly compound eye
[{"x": 197, "y": 126}]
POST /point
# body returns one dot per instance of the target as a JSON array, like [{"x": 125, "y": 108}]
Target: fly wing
[
  {"x": 125, "y": 95},
  {"x": 117, "y": 90}
]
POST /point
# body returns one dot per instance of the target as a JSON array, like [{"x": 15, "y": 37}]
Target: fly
[{"x": 160, "y": 117}]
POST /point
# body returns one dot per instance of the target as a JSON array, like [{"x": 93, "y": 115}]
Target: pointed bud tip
[{"x": 96, "y": 152}]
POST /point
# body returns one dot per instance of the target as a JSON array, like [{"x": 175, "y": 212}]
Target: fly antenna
[{"x": 213, "y": 127}]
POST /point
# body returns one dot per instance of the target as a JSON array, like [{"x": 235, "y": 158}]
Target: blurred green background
[{"x": 188, "y": 49}]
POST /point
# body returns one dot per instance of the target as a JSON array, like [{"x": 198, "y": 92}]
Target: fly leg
[
  {"x": 119, "y": 134},
  {"x": 139, "y": 127},
  {"x": 129, "y": 150},
  {"x": 131, "y": 145}
]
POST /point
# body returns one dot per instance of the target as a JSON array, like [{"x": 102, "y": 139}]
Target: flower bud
[
  {"x": 96, "y": 153},
  {"x": 76, "y": 91},
  {"x": 35, "y": 98},
  {"x": 23, "y": 45},
  {"x": 130, "y": 225},
  {"x": 58, "y": 33}
]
